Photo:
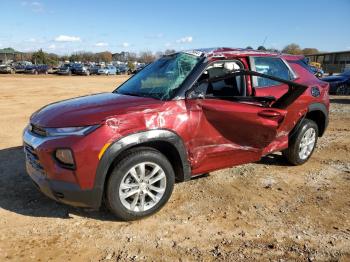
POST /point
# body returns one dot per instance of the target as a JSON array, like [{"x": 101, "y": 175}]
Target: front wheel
[
  {"x": 302, "y": 143},
  {"x": 140, "y": 184}
]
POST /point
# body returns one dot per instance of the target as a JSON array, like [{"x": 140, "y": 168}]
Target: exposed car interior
[{"x": 222, "y": 88}]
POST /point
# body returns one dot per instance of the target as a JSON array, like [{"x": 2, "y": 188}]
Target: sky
[{"x": 67, "y": 26}]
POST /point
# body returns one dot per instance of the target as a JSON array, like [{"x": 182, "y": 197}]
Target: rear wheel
[
  {"x": 140, "y": 184},
  {"x": 342, "y": 90},
  {"x": 302, "y": 143}
]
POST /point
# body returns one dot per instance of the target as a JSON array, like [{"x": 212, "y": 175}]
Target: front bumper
[{"x": 61, "y": 191}]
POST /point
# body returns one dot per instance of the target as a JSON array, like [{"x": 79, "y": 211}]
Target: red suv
[{"x": 186, "y": 114}]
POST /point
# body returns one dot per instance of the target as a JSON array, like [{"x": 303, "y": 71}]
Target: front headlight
[{"x": 71, "y": 131}]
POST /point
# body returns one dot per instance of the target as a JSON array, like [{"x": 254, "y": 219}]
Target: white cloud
[
  {"x": 67, "y": 38},
  {"x": 186, "y": 39},
  {"x": 167, "y": 44},
  {"x": 100, "y": 44},
  {"x": 53, "y": 46},
  {"x": 34, "y": 6},
  {"x": 125, "y": 44}
]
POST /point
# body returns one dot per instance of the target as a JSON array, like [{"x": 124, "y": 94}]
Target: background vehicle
[
  {"x": 36, "y": 69},
  {"x": 21, "y": 66},
  {"x": 7, "y": 69},
  {"x": 339, "y": 84},
  {"x": 184, "y": 115},
  {"x": 315, "y": 64},
  {"x": 94, "y": 69},
  {"x": 65, "y": 69},
  {"x": 107, "y": 70},
  {"x": 122, "y": 69},
  {"x": 82, "y": 70},
  {"x": 318, "y": 72}
]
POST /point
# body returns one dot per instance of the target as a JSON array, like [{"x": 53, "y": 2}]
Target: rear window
[
  {"x": 270, "y": 66},
  {"x": 303, "y": 63}
]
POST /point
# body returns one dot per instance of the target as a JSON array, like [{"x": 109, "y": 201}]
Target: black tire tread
[
  {"x": 292, "y": 152},
  {"x": 110, "y": 189}
]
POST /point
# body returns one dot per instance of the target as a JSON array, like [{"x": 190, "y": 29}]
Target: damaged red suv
[{"x": 186, "y": 114}]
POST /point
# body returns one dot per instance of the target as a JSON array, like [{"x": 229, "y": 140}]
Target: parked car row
[
  {"x": 28, "y": 69},
  {"x": 66, "y": 69},
  {"x": 86, "y": 69}
]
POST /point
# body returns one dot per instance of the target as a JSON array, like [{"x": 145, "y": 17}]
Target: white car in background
[{"x": 108, "y": 70}]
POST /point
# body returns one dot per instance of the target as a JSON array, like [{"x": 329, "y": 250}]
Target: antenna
[{"x": 263, "y": 44}]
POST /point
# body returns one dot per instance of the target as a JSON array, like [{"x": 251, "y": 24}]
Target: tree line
[
  {"x": 41, "y": 57},
  {"x": 52, "y": 59},
  {"x": 293, "y": 49}
]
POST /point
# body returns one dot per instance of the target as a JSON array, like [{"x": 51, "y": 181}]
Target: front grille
[
  {"x": 32, "y": 157},
  {"x": 38, "y": 130}
]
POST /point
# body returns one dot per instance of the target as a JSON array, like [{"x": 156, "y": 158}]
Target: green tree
[
  {"x": 292, "y": 49},
  {"x": 131, "y": 65},
  {"x": 310, "y": 51},
  {"x": 249, "y": 47},
  {"x": 39, "y": 57},
  {"x": 262, "y": 48}
]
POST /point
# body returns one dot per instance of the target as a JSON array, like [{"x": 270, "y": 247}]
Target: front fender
[{"x": 119, "y": 146}]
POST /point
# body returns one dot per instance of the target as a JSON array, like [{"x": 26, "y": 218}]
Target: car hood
[
  {"x": 335, "y": 78},
  {"x": 90, "y": 110}
]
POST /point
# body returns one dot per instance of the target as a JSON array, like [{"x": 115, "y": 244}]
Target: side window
[
  {"x": 229, "y": 87},
  {"x": 270, "y": 66}
]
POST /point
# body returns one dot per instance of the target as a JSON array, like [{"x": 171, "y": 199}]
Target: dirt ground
[{"x": 265, "y": 211}]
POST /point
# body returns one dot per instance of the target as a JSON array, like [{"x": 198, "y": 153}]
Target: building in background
[
  {"x": 332, "y": 62},
  {"x": 122, "y": 57},
  {"x": 8, "y": 55}
]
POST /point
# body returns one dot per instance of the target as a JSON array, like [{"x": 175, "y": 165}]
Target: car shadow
[
  {"x": 18, "y": 193},
  {"x": 343, "y": 101},
  {"x": 273, "y": 160}
]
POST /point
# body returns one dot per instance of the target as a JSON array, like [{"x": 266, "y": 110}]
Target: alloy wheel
[
  {"x": 142, "y": 187},
  {"x": 307, "y": 143}
]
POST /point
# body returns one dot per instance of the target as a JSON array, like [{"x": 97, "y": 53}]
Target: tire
[
  {"x": 87, "y": 73},
  {"x": 294, "y": 153},
  {"x": 341, "y": 90},
  {"x": 127, "y": 208}
]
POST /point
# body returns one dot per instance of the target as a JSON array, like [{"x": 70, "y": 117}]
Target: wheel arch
[
  {"x": 165, "y": 141},
  {"x": 319, "y": 114}
]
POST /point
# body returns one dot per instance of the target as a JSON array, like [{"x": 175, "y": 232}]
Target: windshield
[{"x": 162, "y": 78}]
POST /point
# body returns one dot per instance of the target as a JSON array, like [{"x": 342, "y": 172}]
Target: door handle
[{"x": 271, "y": 114}]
